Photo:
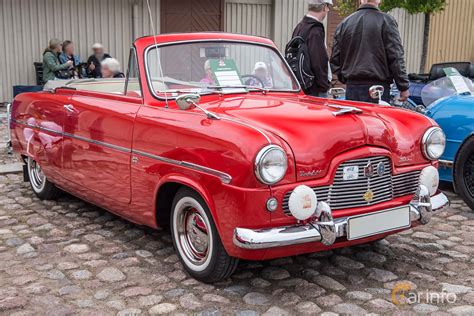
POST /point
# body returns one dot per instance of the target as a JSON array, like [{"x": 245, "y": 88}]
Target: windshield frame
[{"x": 158, "y": 46}]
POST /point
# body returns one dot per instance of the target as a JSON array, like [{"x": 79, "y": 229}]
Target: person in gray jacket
[
  {"x": 367, "y": 50},
  {"x": 51, "y": 63}
]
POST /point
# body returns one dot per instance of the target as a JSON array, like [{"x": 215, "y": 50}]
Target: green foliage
[
  {"x": 415, "y": 6},
  {"x": 346, "y": 7}
]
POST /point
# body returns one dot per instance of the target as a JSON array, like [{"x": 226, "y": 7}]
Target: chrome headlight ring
[
  {"x": 271, "y": 164},
  {"x": 433, "y": 143}
]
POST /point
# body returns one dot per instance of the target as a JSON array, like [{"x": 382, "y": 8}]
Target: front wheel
[
  {"x": 44, "y": 189},
  {"x": 196, "y": 240},
  {"x": 464, "y": 173}
]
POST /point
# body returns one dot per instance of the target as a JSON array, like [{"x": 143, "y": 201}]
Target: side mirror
[
  {"x": 336, "y": 93},
  {"x": 376, "y": 92},
  {"x": 187, "y": 101}
]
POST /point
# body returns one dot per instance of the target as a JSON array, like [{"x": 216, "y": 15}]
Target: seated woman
[
  {"x": 68, "y": 55},
  {"x": 51, "y": 65},
  {"x": 110, "y": 68},
  {"x": 260, "y": 71},
  {"x": 209, "y": 78}
]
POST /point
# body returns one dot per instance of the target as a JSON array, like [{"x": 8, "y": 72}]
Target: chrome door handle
[{"x": 70, "y": 108}]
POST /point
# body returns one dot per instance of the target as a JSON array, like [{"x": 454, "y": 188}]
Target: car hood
[{"x": 308, "y": 125}]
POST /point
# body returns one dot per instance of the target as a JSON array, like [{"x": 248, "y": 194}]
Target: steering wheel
[{"x": 254, "y": 77}]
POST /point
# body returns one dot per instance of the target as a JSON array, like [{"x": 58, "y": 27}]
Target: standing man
[
  {"x": 311, "y": 28},
  {"x": 93, "y": 63},
  {"x": 368, "y": 51}
]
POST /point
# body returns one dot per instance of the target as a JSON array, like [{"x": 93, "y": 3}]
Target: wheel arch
[
  {"x": 456, "y": 157},
  {"x": 166, "y": 191}
]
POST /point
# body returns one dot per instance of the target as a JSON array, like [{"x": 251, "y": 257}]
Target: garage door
[{"x": 191, "y": 16}]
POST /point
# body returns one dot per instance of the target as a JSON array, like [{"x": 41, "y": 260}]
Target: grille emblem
[
  {"x": 368, "y": 196},
  {"x": 369, "y": 170},
  {"x": 380, "y": 168}
]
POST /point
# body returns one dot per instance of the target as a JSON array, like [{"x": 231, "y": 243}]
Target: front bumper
[
  {"x": 9, "y": 140},
  {"x": 327, "y": 229}
]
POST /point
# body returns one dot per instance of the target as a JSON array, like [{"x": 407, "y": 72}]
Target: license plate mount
[{"x": 367, "y": 225}]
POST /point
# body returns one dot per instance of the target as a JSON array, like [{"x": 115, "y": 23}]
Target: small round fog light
[
  {"x": 272, "y": 204},
  {"x": 429, "y": 177},
  {"x": 302, "y": 202}
]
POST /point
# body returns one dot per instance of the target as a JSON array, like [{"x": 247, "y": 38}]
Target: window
[
  {"x": 132, "y": 81},
  {"x": 207, "y": 67}
]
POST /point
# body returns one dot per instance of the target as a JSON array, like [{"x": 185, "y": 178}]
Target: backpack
[{"x": 297, "y": 56}]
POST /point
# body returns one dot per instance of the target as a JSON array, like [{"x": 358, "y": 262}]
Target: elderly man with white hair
[
  {"x": 311, "y": 29},
  {"x": 367, "y": 50},
  {"x": 93, "y": 63},
  {"x": 110, "y": 68}
]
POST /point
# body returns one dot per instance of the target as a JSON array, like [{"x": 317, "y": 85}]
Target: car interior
[{"x": 466, "y": 69}]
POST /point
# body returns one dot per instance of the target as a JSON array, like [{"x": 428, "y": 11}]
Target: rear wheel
[
  {"x": 464, "y": 172},
  {"x": 196, "y": 240},
  {"x": 44, "y": 189}
]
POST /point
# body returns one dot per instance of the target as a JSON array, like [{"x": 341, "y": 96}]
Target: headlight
[
  {"x": 271, "y": 164},
  {"x": 433, "y": 143}
]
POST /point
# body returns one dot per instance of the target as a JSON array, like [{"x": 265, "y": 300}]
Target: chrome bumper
[
  {"x": 9, "y": 140},
  {"x": 327, "y": 230}
]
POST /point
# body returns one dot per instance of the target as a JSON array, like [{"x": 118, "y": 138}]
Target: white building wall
[
  {"x": 411, "y": 30},
  {"x": 252, "y": 17},
  {"x": 27, "y": 25},
  {"x": 287, "y": 14}
]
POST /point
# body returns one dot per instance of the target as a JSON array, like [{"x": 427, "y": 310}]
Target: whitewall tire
[
  {"x": 44, "y": 189},
  {"x": 196, "y": 240}
]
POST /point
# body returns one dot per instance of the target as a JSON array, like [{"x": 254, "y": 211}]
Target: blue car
[{"x": 450, "y": 102}]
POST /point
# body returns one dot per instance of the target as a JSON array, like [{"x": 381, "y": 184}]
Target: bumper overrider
[{"x": 326, "y": 229}]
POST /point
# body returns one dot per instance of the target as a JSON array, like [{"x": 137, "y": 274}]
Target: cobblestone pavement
[{"x": 70, "y": 257}]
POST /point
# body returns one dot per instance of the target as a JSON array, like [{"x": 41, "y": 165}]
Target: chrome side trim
[
  {"x": 446, "y": 163},
  {"x": 97, "y": 142},
  {"x": 69, "y": 135},
  {"x": 420, "y": 211},
  {"x": 224, "y": 177},
  {"x": 37, "y": 127}
]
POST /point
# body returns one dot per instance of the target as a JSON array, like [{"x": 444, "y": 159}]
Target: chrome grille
[{"x": 344, "y": 194}]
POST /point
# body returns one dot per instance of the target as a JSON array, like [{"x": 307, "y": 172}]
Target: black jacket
[
  {"x": 317, "y": 51},
  {"x": 367, "y": 49},
  {"x": 94, "y": 60}
]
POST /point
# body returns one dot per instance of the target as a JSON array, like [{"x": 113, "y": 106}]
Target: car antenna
[{"x": 152, "y": 24}]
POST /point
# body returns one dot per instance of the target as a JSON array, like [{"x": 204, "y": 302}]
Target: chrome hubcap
[
  {"x": 193, "y": 234},
  {"x": 37, "y": 177}
]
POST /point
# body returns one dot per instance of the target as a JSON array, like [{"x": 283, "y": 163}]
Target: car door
[{"x": 96, "y": 156}]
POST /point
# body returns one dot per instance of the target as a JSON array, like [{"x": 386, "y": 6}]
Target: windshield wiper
[{"x": 250, "y": 88}]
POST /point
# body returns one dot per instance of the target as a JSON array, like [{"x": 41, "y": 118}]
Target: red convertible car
[{"x": 211, "y": 135}]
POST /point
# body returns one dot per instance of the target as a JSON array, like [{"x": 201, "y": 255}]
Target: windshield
[
  {"x": 444, "y": 87},
  {"x": 224, "y": 67}
]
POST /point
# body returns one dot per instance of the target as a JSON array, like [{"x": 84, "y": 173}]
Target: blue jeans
[
  {"x": 361, "y": 93},
  {"x": 320, "y": 95}
]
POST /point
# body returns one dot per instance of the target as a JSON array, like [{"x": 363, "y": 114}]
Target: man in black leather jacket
[{"x": 367, "y": 50}]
